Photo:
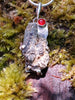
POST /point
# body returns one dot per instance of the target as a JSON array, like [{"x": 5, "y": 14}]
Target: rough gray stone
[{"x": 35, "y": 49}]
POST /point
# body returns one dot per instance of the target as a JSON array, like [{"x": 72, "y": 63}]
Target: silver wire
[
  {"x": 43, "y": 5},
  {"x": 39, "y": 9}
]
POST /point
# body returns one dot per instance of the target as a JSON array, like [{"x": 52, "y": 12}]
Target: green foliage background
[
  {"x": 13, "y": 85},
  {"x": 61, "y": 17}
]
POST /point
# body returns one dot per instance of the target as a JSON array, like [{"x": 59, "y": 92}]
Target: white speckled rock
[{"x": 34, "y": 49}]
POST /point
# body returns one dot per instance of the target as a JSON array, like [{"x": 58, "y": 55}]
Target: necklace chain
[{"x": 43, "y": 5}]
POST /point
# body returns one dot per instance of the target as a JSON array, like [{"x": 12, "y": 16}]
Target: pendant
[{"x": 35, "y": 47}]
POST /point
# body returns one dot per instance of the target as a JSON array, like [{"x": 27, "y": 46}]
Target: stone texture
[
  {"x": 35, "y": 49},
  {"x": 50, "y": 86}
]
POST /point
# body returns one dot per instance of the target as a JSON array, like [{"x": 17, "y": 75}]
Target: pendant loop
[{"x": 43, "y": 5}]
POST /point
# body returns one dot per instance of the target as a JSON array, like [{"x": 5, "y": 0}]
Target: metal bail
[
  {"x": 39, "y": 9},
  {"x": 43, "y": 31}
]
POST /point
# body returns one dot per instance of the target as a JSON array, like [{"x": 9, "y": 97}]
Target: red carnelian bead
[{"x": 41, "y": 22}]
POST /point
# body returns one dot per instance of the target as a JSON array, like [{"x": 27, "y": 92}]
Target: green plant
[
  {"x": 64, "y": 9},
  {"x": 11, "y": 33},
  {"x": 13, "y": 84},
  {"x": 9, "y": 41}
]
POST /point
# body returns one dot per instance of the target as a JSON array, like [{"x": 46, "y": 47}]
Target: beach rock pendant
[{"x": 35, "y": 47}]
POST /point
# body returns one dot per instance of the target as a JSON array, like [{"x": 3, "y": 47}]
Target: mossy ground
[{"x": 14, "y": 17}]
